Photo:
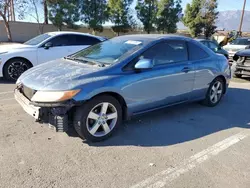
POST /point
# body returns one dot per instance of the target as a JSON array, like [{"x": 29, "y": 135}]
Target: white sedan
[{"x": 17, "y": 58}]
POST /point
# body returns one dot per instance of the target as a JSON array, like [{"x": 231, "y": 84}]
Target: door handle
[{"x": 186, "y": 69}]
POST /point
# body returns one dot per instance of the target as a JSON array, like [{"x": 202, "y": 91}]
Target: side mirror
[
  {"x": 144, "y": 64},
  {"x": 48, "y": 45}
]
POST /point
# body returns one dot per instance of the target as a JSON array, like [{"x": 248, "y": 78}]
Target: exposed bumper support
[{"x": 55, "y": 114}]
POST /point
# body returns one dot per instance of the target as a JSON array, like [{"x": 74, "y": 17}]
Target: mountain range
[{"x": 229, "y": 20}]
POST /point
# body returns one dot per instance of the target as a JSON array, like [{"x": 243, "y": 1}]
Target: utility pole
[{"x": 242, "y": 17}]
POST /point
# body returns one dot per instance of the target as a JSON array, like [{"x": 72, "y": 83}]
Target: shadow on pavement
[
  {"x": 183, "y": 123},
  {"x": 4, "y": 81}
]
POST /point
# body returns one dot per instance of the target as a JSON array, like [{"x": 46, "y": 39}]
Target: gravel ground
[{"x": 33, "y": 155}]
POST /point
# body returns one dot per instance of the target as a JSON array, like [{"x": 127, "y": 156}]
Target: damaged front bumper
[
  {"x": 55, "y": 114},
  {"x": 242, "y": 70}
]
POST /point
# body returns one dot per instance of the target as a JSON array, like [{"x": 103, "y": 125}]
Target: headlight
[{"x": 54, "y": 96}]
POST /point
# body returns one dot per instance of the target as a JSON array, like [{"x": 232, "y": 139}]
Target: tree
[
  {"x": 146, "y": 13},
  {"x": 5, "y": 6},
  {"x": 94, "y": 13},
  {"x": 168, "y": 15},
  {"x": 33, "y": 12},
  {"x": 63, "y": 12},
  {"x": 45, "y": 11},
  {"x": 119, "y": 15},
  {"x": 210, "y": 16},
  {"x": 193, "y": 18}
]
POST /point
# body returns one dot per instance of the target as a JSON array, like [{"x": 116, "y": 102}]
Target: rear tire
[
  {"x": 14, "y": 68},
  {"x": 98, "y": 119},
  {"x": 215, "y": 93}
]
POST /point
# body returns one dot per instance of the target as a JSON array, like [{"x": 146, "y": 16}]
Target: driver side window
[
  {"x": 167, "y": 52},
  {"x": 62, "y": 40}
]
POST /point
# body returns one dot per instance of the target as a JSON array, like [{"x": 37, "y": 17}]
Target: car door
[
  {"x": 202, "y": 64},
  {"x": 60, "y": 48},
  {"x": 169, "y": 81}
]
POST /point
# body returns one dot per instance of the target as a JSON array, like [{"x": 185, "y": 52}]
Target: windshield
[
  {"x": 38, "y": 39},
  {"x": 241, "y": 42},
  {"x": 109, "y": 51}
]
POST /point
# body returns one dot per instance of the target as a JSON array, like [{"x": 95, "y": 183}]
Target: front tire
[
  {"x": 98, "y": 118},
  {"x": 215, "y": 93},
  {"x": 14, "y": 68}
]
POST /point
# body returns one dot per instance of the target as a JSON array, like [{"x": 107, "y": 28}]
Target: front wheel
[
  {"x": 98, "y": 118},
  {"x": 214, "y": 93},
  {"x": 14, "y": 68}
]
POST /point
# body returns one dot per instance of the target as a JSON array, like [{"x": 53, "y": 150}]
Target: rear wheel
[
  {"x": 14, "y": 68},
  {"x": 98, "y": 118},
  {"x": 214, "y": 93}
]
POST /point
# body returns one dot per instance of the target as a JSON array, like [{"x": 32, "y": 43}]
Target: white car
[
  {"x": 237, "y": 45},
  {"x": 17, "y": 58}
]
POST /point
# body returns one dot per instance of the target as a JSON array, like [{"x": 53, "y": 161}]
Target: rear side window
[
  {"x": 212, "y": 45},
  {"x": 205, "y": 43},
  {"x": 85, "y": 40},
  {"x": 196, "y": 52}
]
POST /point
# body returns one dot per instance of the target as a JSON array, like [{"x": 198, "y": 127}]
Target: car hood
[
  {"x": 60, "y": 74},
  {"x": 244, "y": 53},
  {"x": 9, "y": 47}
]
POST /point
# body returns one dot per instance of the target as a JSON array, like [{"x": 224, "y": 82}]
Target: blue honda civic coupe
[{"x": 98, "y": 87}]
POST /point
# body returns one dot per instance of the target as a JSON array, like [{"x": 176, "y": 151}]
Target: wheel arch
[
  {"x": 224, "y": 82},
  {"x": 120, "y": 99},
  {"x": 17, "y": 57}
]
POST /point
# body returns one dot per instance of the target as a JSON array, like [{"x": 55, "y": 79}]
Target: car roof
[
  {"x": 200, "y": 40},
  {"x": 151, "y": 37},
  {"x": 55, "y": 33},
  {"x": 243, "y": 38}
]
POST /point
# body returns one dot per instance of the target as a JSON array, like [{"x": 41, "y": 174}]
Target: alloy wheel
[
  {"x": 102, "y": 119},
  {"x": 16, "y": 68},
  {"x": 216, "y": 92}
]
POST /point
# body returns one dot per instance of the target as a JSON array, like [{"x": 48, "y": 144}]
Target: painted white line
[
  {"x": 2, "y": 93},
  {"x": 161, "y": 179},
  {"x": 7, "y": 99}
]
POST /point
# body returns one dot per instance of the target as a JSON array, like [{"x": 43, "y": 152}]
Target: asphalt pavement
[{"x": 184, "y": 146}]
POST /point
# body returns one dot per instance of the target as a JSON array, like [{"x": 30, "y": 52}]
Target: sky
[
  {"x": 222, "y": 6},
  {"x": 226, "y": 4}
]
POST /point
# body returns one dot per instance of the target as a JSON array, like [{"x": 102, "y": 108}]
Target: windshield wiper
[
  {"x": 76, "y": 59},
  {"x": 88, "y": 61}
]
